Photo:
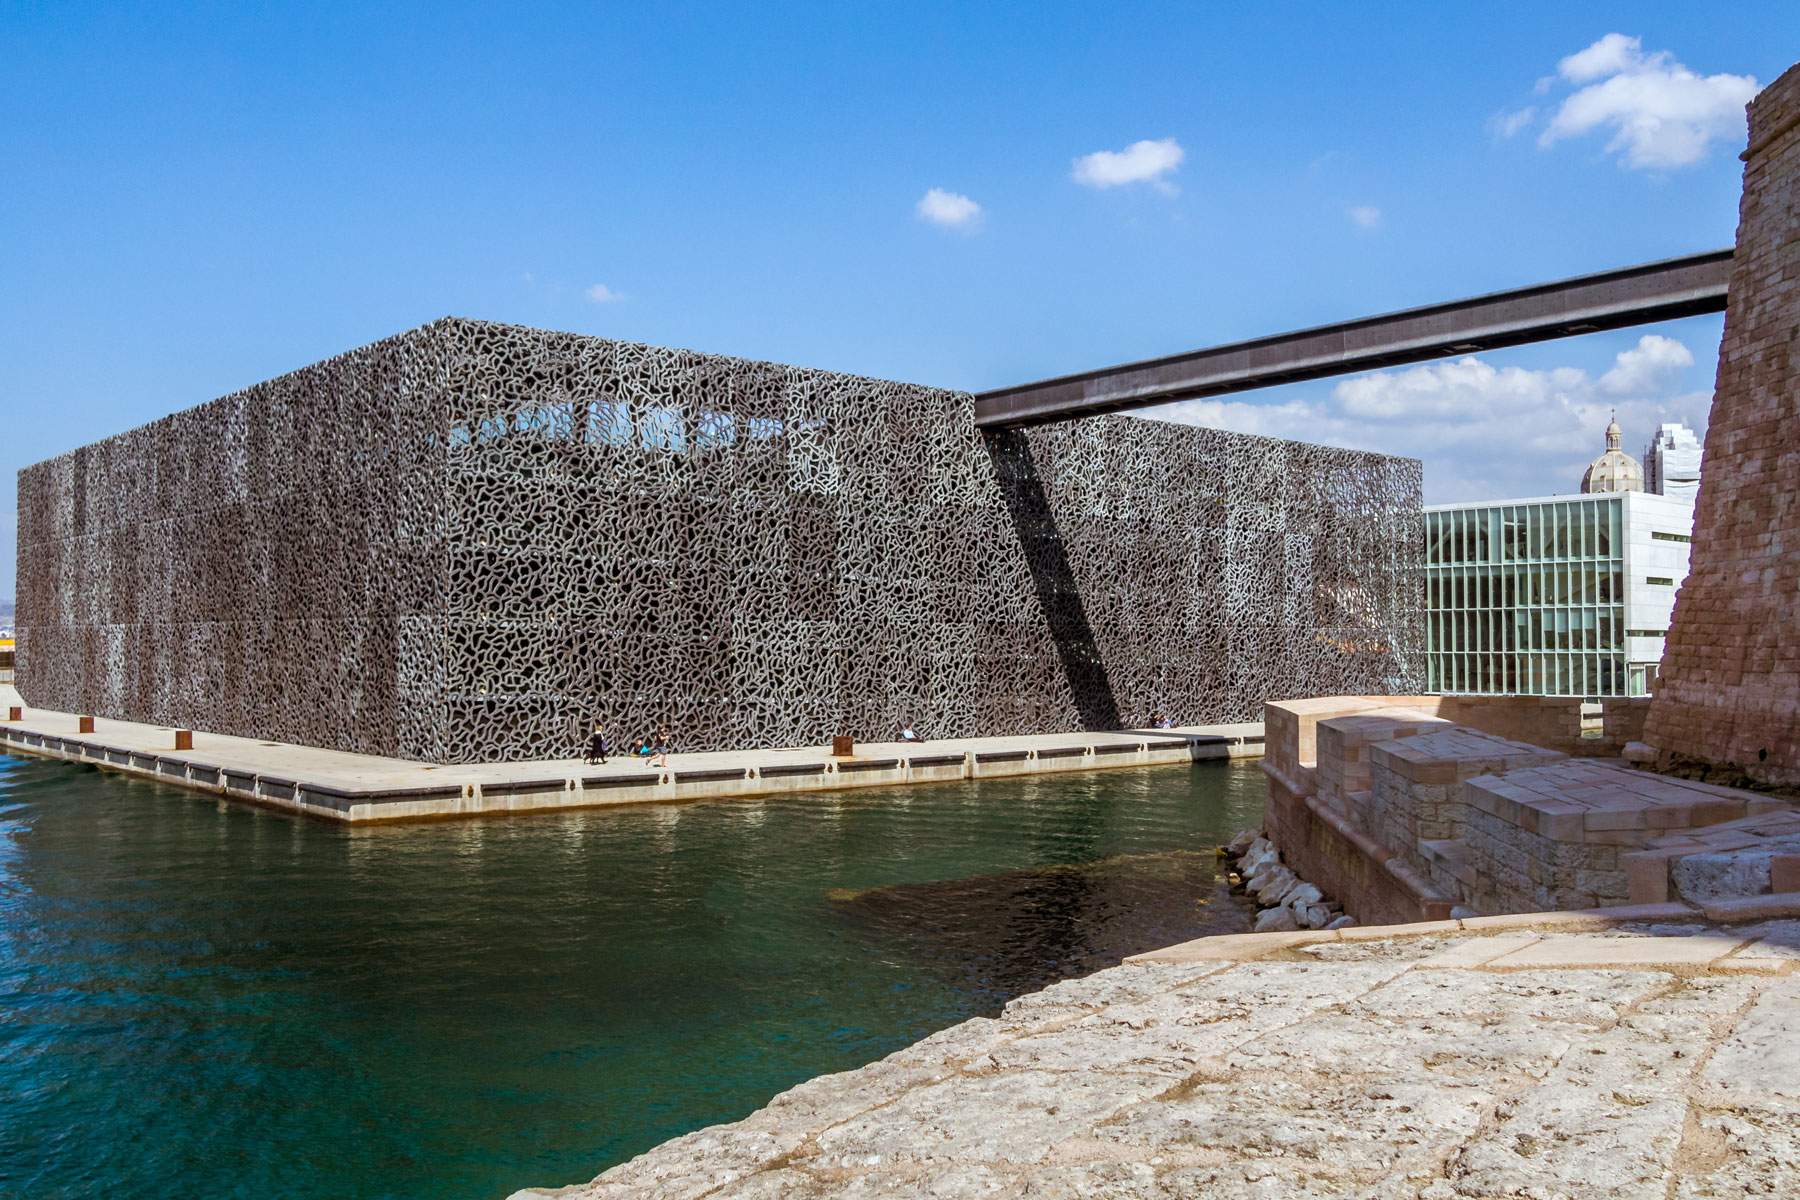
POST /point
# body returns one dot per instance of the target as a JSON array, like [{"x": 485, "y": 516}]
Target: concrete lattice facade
[
  {"x": 1730, "y": 690},
  {"x": 457, "y": 544}
]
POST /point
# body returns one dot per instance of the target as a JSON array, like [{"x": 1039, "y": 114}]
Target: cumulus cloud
[
  {"x": 1504, "y": 124},
  {"x": 1611, "y": 55},
  {"x": 952, "y": 210},
  {"x": 1650, "y": 366},
  {"x": 1365, "y": 216},
  {"x": 1140, "y": 162},
  {"x": 601, "y": 294},
  {"x": 1659, "y": 112},
  {"x": 1484, "y": 432}
]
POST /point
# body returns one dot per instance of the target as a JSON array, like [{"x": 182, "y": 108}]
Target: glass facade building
[
  {"x": 1527, "y": 598},
  {"x": 1564, "y": 596}
]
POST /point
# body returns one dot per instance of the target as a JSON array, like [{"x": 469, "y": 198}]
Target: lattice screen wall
[{"x": 456, "y": 544}]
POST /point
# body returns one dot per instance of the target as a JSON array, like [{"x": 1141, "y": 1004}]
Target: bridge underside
[{"x": 1658, "y": 291}]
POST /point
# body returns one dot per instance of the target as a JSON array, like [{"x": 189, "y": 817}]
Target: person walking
[
  {"x": 596, "y": 747},
  {"x": 659, "y": 750}
]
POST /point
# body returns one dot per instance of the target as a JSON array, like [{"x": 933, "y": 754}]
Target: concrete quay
[
  {"x": 359, "y": 788},
  {"x": 1633, "y": 1054}
]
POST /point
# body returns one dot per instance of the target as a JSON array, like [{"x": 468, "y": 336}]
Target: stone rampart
[{"x": 1728, "y": 702}]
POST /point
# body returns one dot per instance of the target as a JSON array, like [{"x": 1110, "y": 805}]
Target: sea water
[{"x": 199, "y": 998}]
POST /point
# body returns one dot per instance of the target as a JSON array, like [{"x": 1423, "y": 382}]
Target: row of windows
[
  {"x": 1517, "y": 587},
  {"x": 1525, "y": 532},
  {"x": 1585, "y": 675},
  {"x": 616, "y": 423},
  {"x": 1601, "y": 629},
  {"x": 1660, "y": 536}
]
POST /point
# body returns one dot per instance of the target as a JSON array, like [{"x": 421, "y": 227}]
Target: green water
[{"x": 199, "y": 999}]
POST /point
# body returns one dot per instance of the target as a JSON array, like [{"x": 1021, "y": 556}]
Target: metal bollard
[
  {"x": 15, "y": 713},
  {"x": 184, "y": 739},
  {"x": 86, "y": 726},
  {"x": 843, "y": 745}
]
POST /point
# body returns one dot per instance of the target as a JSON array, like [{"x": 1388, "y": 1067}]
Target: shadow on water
[{"x": 1002, "y": 935}]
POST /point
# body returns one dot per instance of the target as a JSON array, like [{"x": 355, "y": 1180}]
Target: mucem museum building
[{"x": 463, "y": 543}]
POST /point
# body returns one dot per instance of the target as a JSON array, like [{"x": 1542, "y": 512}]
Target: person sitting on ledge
[
  {"x": 909, "y": 734},
  {"x": 642, "y": 749},
  {"x": 1158, "y": 721}
]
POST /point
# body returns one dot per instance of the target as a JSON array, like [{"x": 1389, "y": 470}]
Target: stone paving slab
[{"x": 1560, "y": 1055}]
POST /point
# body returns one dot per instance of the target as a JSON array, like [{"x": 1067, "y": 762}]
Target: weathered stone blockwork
[
  {"x": 1416, "y": 787},
  {"x": 1729, "y": 695},
  {"x": 456, "y": 544},
  {"x": 1557, "y": 836}
]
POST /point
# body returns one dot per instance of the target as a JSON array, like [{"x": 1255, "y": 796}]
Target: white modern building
[
  {"x": 1556, "y": 595},
  {"x": 1672, "y": 463}
]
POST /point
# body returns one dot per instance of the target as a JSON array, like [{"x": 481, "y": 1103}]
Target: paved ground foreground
[{"x": 1646, "y": 1053}]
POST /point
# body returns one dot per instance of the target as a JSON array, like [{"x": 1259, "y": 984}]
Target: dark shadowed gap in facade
[{"x": 1058, "y": 596}]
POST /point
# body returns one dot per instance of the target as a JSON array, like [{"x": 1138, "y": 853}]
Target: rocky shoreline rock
[{"x": 1288, "y": 902}]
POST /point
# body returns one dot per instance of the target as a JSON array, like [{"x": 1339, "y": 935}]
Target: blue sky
[{"x": 200, "y": 197}]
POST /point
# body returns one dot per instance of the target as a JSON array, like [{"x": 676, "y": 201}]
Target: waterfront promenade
[{"x": 360, "y": 788}]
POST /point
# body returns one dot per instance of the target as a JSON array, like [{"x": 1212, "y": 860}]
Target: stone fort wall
[
  {"x": 457, "y": 544},
  {"x": 1729, "y": 695}
]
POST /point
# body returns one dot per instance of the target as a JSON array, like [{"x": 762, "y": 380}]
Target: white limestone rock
[
  {"x": 1304, "y": 895},
  {"x": 1315, "y": 916},
  {"x": 1255, "y": 861},
  {"x": 1704, "y": 878},
  {"x": 1238, "y": 846},
  {"x": 1276, "y": 920},
  {"x": 1343, "y": 922},
  {"x": 1280, "y": 895},
  {"x": 1274, "y": 884}
]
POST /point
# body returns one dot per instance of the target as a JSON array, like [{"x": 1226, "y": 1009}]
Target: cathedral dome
[{"x": 1614, "y": 471}]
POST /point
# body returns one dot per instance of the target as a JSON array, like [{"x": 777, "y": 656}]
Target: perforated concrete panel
[{"x": 461, "y": 543}]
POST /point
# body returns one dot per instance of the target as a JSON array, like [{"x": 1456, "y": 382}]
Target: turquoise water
[{"x": 203, "y": 999}]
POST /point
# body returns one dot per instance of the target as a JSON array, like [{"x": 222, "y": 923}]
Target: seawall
[{"x": 359, "y": 789}]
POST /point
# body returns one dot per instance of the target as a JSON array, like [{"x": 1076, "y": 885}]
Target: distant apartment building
[
  {"x": 1672, "y": 463},
  {"x": 1560, "y": 595}
]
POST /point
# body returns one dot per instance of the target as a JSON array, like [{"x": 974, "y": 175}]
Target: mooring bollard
[
  {"x": 184, "y": 739},
  {"x": 842, "y": 745},
  {"x": 15, "y": 713},
  {"x": 87, "y": 725}
]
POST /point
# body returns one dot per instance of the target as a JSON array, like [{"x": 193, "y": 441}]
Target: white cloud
[
  {"x": 1652, "y": 365},
  {"x": 1365, "y": 216},
  {"x": 1610, "y": 55},
  {"x": 1660, "y": 113},
  {"x": 1505, "y": 124},
  {"x": 1484, "y": 432},
  {"x": 601, "y": 294},
  {"x": 949, "y": 209},
  {"x": 1140, "y": 162}
]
